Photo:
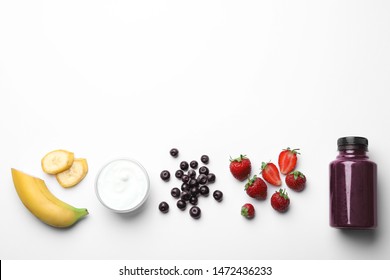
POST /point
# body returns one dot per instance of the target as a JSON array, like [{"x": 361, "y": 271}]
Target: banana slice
[
  {"x": 74, "y": 174},
  {"x": 57, "y": 161}
]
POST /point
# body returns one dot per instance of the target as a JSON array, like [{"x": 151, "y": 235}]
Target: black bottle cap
[{"x": 351, "y": 142}]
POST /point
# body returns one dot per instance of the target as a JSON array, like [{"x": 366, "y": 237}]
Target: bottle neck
[{"x": 353, "y": 153}]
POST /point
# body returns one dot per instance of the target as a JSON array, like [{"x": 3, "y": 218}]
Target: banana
[
  {"x": 37, "y": 198},
  {"x": 57, "y": 161},
  {"x": 74, "y": 174}
]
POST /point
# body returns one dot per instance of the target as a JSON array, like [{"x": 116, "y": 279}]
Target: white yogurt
[{"x": 122, "y": 185}]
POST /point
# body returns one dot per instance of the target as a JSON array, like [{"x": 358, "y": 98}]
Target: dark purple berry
[
  {"x": 195, "y": 212},
  {"x": 204, "y": 190},
  {"x": 204, "y": 159},
  {"x": 218, "y": 195},
  {"x": 185, "y": 187},
  {"x": 165, "y": 175},
  {"x": 191, "y": 173},
  {"x": 174, "y": 152},
  {"x": 204, "y": 170},
  {"x": 193, "y": 183},
  {"x": 175, "y": 192},
  {"x": 211, "y": 178},
  {"x": 202, "y": 179},
  {"x": 164, "y": 207},
  {"x": 185, "y": 196},
  {"x": 194, "y": 164},
  {"x": 181, "y": 204},
  {"x": 179, "y": 173},
  {"x": 184, "y": 165},
  {"x": 194, "y": 191},
  {"x": 194, "y": 200},
  {"x": 185, "y": 178}
]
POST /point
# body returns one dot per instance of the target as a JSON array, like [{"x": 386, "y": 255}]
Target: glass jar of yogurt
[{"x": 122, "y": 185}]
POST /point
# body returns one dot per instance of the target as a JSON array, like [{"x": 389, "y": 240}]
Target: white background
[{"x": 110, "y": 79}]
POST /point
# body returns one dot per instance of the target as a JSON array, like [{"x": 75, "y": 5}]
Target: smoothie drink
[{"x": 353, "y": 179}]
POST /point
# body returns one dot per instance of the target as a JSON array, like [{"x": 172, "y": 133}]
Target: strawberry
[
  {"x": 287, "y": 160},
  {"x": 280, "y": 201},
  {"x": 270, "y": 173},
  {"x": 248, "y": 211},
  {"x": 296, "y": 180},
  {"x": 240, "y": 167},
  {"x": 256, "y": 188}
]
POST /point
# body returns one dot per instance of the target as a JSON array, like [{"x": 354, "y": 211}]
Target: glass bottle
[{"x": 353, "y": 179}]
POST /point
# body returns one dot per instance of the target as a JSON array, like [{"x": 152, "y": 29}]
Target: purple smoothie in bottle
[{"x": 353, "y": 186}]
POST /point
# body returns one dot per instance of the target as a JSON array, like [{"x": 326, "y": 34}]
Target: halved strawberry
[
  {"x": 256, "y": 188},
  {"x": 240, "y": 167},
  {"x": 287, "y": 160},
  {"x": 270, "y": 173}
]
